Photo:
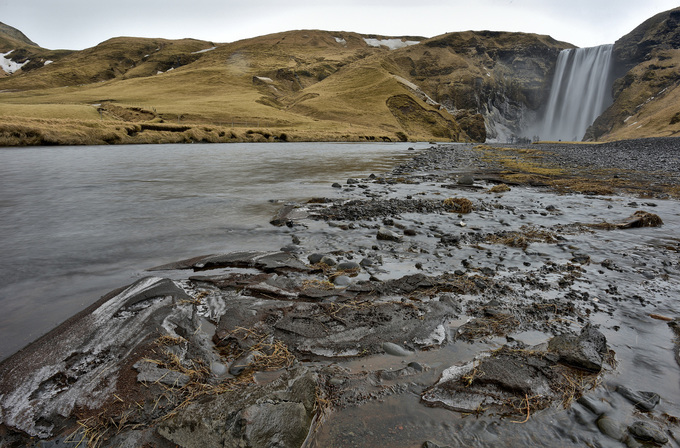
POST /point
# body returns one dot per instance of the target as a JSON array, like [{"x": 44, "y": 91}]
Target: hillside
[
  {"x": 646, "y": 91},
  {"x": 321, "y": 85},
  {"x": 11, "y": 38},
  {"x": 302, "y": 85}
]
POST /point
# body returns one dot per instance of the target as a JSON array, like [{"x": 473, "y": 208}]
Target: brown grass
[
  {"x": 523, "y": 237},
  {"x": 458, "y": 205},
  {"x": 309, "y": 97},
  {"x": 500, "y": 188}
]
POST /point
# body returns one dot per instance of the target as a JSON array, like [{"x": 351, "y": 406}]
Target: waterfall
[{"x": 580, "y": 92}]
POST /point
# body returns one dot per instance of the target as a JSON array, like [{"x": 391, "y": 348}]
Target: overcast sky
[{"x": 79, "y": 24}]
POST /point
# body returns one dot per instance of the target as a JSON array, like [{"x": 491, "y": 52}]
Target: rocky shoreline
[{"x": 502, "y": 282}]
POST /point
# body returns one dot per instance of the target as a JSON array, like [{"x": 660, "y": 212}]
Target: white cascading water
[{"x": 579, "y": 94}]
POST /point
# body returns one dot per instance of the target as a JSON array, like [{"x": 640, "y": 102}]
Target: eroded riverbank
[{"x": 447, "y": 302}]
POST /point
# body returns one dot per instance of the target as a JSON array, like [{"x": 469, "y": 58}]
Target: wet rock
[
  {"x": 581, "y": 258},
  {"x": 450, "y": 240},
  {"x": 282, "y": 216},
  {"x": 79, "y": 363},
  {"x": 291, "y": 249},
  {"x": 595, "y": 406},
  {"x": 429, "y": 444},
  {"x": 610, "y": 427},
  {"x": 315, "y": 258},
  {"x": 336, "y": 185},
  {"x": 395, "y": 350},
  {"x": 352, "y": 181},
  {"x": 644, "y": 401},
  {"x": 648, "y": 275},
  {"x": 269, "y": 288},
  {"x": 182, "y": 264},
  {"x": 646, "y": 432},
  {"x": 406, "y": 284},
  {"x": 609, "y": 264},
  {"x": 342, "y": 280},
  {"x": 328, "y": 261},
  {"x": 242, "y": 363},
  {"x": 491, "y": 381},
  {"x": 150, "y": 373},
  {"x": 436, "y": 338},
  {"x": 385, "y": 234},
  {"x": 218, "y": 368},
  {"x": 348, "y": 266},
  {"x": 389, "y": 375},
  {"x": 586, "y": 351},
  {"x": 266, "y": 261},
  {"x": 410, "y": 232},
  {"x": 466, "y": 180},
  {"x": 366, "y": 262},
  {"x": 275, "y": 414}
]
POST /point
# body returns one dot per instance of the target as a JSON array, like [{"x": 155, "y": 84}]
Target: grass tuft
[{"x": 458, "y": 205}]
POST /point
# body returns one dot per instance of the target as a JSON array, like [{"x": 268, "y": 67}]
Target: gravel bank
[{"x": 649, "y": 154}]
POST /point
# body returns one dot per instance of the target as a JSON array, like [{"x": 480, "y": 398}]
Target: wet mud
[{"x": 473, "y": 296}]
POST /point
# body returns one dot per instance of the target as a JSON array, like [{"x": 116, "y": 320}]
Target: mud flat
[{"x": 473, "y": 296}]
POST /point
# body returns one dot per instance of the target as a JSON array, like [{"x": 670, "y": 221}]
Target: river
[{"x": 77, "y": 222}]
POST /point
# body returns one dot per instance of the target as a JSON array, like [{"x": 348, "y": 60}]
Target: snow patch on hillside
[
  {"x": 341, "y": 41},
  {"x": 204, "y": 51},
  {"x": 392, "y": 44},
  {"x": 422, "y": 95},
  {"x": 8, "y": 65}
]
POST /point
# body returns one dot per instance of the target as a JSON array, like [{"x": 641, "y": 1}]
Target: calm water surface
[{"x": 77, "y": 222}]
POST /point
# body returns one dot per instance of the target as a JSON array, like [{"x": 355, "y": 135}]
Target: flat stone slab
[{"x": 265, "y": 261}]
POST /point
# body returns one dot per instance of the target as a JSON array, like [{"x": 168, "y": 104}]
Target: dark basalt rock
[
  {"x": 275, "y": 414},
  {"x": 644, "y": 401},
  {"x": 266, "y": 261},
  {"x": 587, "y": 351},
  {"x": 646, "y": 432}
]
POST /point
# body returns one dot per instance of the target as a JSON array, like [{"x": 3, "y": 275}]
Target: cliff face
[
  {"x": 505, "y": 77},
  {"x": 645, "y": 92}
]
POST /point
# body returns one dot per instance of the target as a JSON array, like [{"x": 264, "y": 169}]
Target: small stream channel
[{"x": 643, "y": 278}]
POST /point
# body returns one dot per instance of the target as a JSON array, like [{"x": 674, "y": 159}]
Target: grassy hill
[
  {"x": 252, "y": 90},
  {"x": 317, "y": 85}
]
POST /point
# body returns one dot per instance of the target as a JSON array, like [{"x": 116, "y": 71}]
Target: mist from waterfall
[{"x": 580, "y": 92}]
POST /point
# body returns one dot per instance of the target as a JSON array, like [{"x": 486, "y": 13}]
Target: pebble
[
  {"x": 342, "y": 280},
  {"x": 217, "y": 368},
  {"x": 610, "y": 427},
  {"x": 315, "y": 258},
  {"x": 348, "y": 266},
  {"x": 597, "y": 407},
  {"x": 388, "y": 235},
  {"x": 328, "y": 261},
  {"x": 366, "y": 262}
]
